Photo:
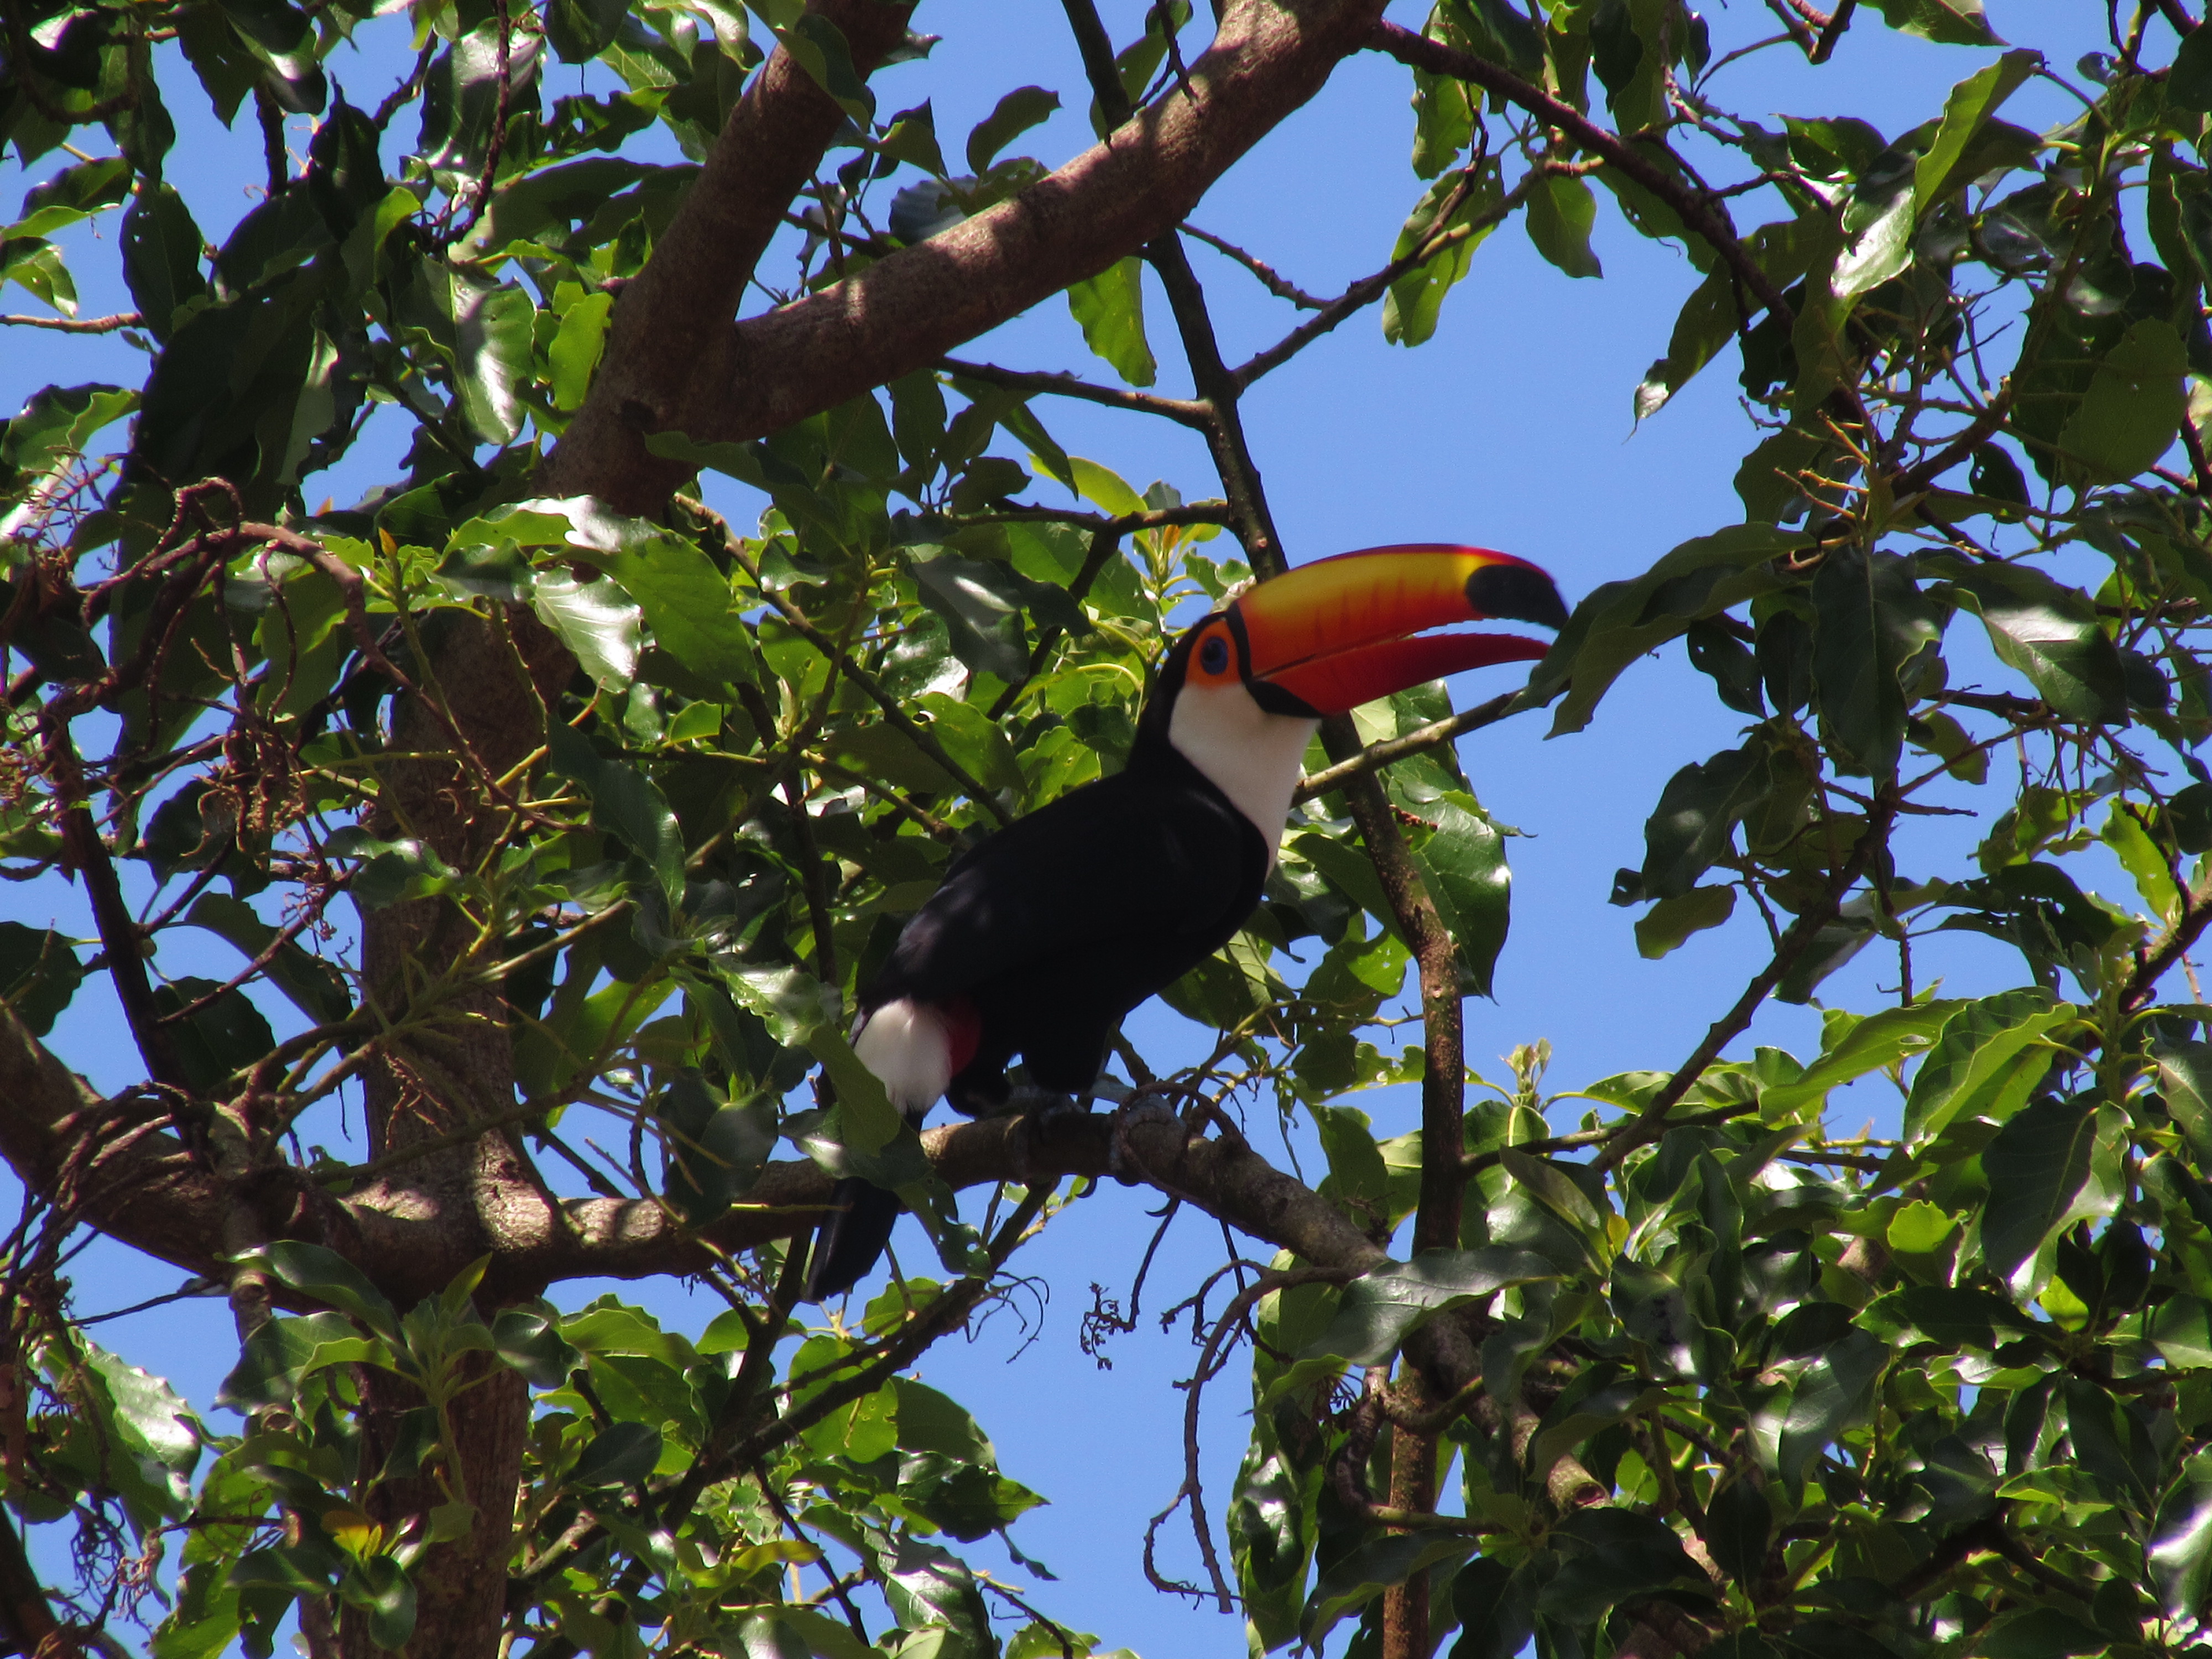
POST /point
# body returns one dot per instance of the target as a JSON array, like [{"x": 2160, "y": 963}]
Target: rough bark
[
  {"x": 698, "y": 373},
  {"x": 670, "y": 354}
]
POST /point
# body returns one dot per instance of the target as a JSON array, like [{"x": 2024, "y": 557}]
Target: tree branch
[
  {"x": 670, "y": 352},
  {"x": 106, "y": 325},
  {"x": 1419, "y": 740},
  {"x": 906, "y": 312},
  {"x": 1434, "y": 57},
  {"x": 1182, "y": 410},
  {"x": 1652, "y": 1122}
]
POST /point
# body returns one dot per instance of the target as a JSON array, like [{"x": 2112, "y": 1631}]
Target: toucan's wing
[{"x": 1136, "y": 854}]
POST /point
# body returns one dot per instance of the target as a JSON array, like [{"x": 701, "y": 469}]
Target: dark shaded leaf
[
  {"x": 621, "y": 1455},
  {"x": 1870, "y": 619},
  {"x": 1013, "y": 115},
  {"x": 38, "y": 975},
  {"x": 2050, "y": 634},
  {"x": 2036, "y": 1166}
]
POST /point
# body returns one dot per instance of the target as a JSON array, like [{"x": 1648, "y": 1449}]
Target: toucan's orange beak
[{"x": 1343, "y": 631}]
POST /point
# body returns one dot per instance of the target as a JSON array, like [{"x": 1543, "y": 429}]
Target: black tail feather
[{"x": 852, "y": 1238}]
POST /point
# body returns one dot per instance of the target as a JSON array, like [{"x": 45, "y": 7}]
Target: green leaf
[
  {"x": 1947, "y": 23},
  {"x": 1463, "y": 864},
  {"x": 380, "y": 1588},
  {"x": 982, "y": 605},
  {"x": 55, "y": 425},
  {"x": 1739, "y": 1523},
  {"x": 819, "y": 47},
  {"x": 1561, "y": 212},
  {"x": 2036, "y": 1166},
  {"x": 38, "y": 975},
  {"x": 2041, "y": 1633},
  {"x": 161, "y": 256},
  {"x": 493, "y": 331},
  {"x": 621, "y": 1455},
  {"x": 1883, "y": 245},
  {"x": 1620, "y": 623},
  {"x": 1709, "y": 318},
  {"x": 1416, "y": 300},
  {"x": 1013, "y": 115},
  {"x": 2134, "y": 405},
  {"x": 328, "y": 1278},
  {"x": 927, "y": 1586},
  {"x": 1965, "y": 112},
  {"x": 2050, "y": 633},
  {"x": 2180, "y": 1328},
  {"x": 1371, "y": 1568},
  {"x": 911, "y": 137},
  {"x": 580, "y": 30},
  {"x": 1952, "y": 1316},
  {"x": 595, "y": 619},
  {"x": 974, "y": 740},
  {"x": 625, "y": 803},
  {"x": 1380, "y": 1308},
  {"x": 1615, "y": 1555},
  {"x": 1834, "y": 1394},
  {"x": 1444, "y": 121},
  {"x": 1668, "y": 923},
  {"x": 1870, "y": 620},
  {"x": 528, "y": 1338},
  {"x": 689, "y": 605},
  {"x": 2189, "y": 83},
  {"x": 715, "y": 1150},
  {"x": 1109, "y": 308},
  {"x": 2184, "y": 1072},
  {"x": 1694, "y": 823},
  {"x": 1496, "y": 1606},
  {"x": 576, "y": 349},
  {"x": 1881, "y": 1040},
  {"x": 1985, "y": 1061}
]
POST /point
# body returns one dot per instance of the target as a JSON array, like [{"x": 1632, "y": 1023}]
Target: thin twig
[
  {"x": 1269, "y": 278},
  {"x": 1421, "y": 738},
  {"x": 106, "y": 325},
  {"x": 1183, "y": 411}
]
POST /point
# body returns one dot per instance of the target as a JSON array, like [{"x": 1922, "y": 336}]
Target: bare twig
[
  {"x": 1420, "y": 739},
  {"x": 1269, "y": 278},
  {"x": 1182, "y": 410},
  {"x": 106, "y": 325}
]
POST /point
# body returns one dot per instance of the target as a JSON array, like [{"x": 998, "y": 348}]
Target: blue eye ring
[{"x": 1214, "y": 654}]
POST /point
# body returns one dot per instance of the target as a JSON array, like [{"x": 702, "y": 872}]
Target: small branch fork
[
  {"x": 1649, "y": 1125},
  {"x": 1696, "y": 211}
]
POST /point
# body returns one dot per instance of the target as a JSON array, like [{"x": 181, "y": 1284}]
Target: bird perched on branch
[{"x": 1042, "y": 937}]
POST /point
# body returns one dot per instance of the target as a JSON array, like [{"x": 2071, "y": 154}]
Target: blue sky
[{"x": 1511, "y": 429}]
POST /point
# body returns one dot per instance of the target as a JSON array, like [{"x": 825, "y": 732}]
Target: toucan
[{"x": 1044, "y": 936}]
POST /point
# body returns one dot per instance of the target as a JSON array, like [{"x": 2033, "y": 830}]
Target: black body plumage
[{"x": 1051, "y": 930}]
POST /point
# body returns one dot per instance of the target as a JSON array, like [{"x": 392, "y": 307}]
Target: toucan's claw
[
  {"x": 1042, "y": 1112},
  {"x": 1122, "y": 1160}
]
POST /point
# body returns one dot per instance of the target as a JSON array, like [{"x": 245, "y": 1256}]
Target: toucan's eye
[{"x": 1214, "y": 654}]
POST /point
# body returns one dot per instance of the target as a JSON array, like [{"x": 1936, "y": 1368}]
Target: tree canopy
[{"x": 536, "y": 800}]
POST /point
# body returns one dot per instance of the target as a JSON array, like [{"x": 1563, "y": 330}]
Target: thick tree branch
[
  {"x": 669, "y": 356},
  {"x": 721, "y": 383}
]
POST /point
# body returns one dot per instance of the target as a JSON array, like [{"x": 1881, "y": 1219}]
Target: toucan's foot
[
  {"x": 1042, "y": 1112},
  {"x": 1121, "y": 1162}
]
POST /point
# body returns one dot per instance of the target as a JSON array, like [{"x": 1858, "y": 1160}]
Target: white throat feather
[{"x": 1253, "y": 757}]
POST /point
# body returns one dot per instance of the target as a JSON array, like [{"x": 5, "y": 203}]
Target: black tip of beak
[{"x": 1516, "y": 592}]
